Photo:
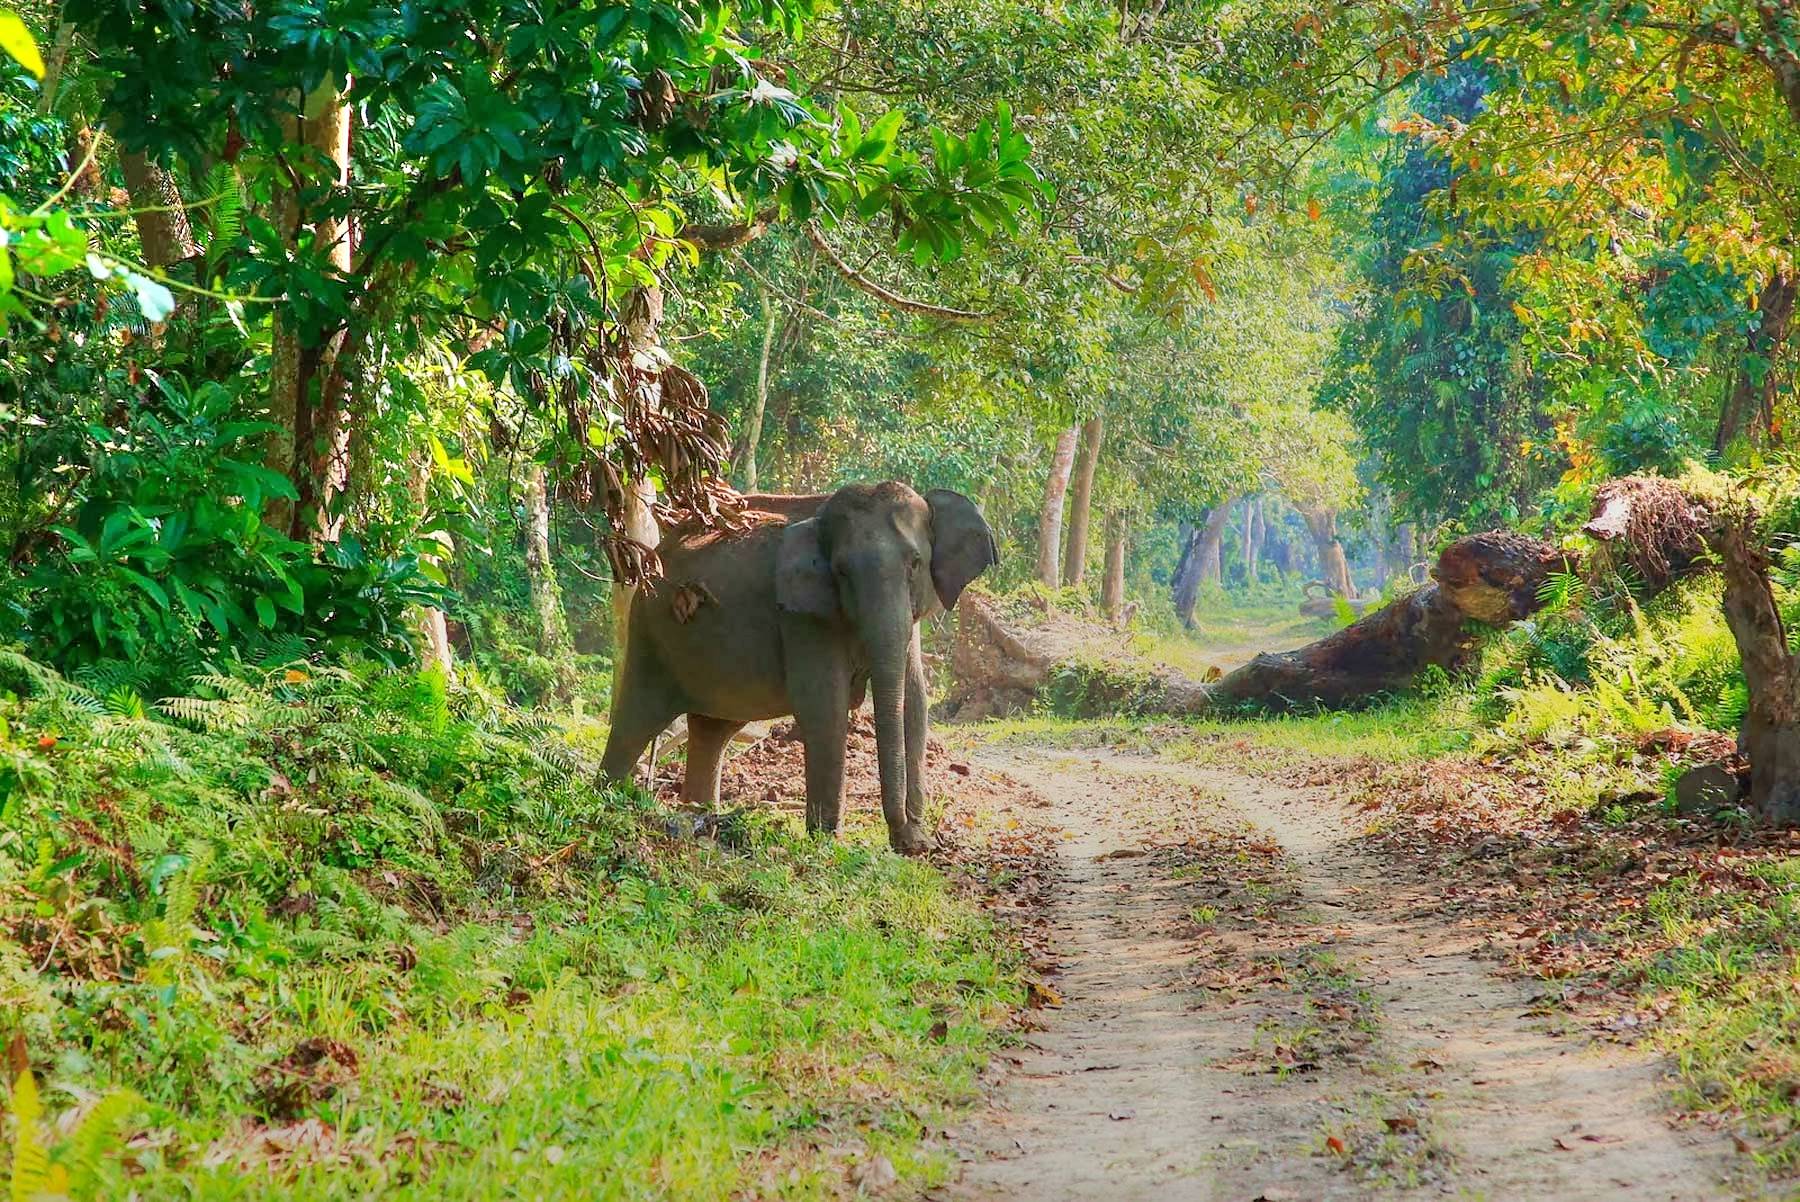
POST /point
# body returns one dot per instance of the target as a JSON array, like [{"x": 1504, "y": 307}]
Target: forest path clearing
[{"x": 1255, "y": 1007}]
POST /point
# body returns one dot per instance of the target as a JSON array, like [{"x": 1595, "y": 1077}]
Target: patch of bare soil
[
  {"x": 772, "y": 771},
  {"x": 1255, "y": 1003}
]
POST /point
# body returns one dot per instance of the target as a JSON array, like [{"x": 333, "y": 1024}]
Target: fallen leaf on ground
[{"x": 1038, "y": 995}]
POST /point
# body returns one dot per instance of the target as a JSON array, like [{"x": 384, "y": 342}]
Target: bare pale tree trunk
[
  {"x": 1184, "y": 586},
  {"x": 1334, "y": 568},
  {"x": 433, "y": 630},
  {"x": 546, "y": 598},
  {"x": 753, "y": 426},
  {"x": 1212, "y": 538},
  {"x": 1254, "y": 533},
  {"x": 1082, "y": 500},
  {"x": 1112, "y": 589},
  {"x": 1050, "y": 516}
]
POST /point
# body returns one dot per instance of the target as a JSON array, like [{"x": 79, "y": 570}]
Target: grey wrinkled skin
[{"x": 816, "y": 604}]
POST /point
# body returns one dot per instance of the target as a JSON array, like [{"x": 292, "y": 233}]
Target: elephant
[{"x": 815, "y": 603}]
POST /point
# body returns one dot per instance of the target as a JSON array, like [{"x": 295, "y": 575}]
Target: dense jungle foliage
[{"x": 351, "y": 354}]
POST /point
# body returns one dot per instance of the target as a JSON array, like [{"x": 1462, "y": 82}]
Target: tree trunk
[
  {"x": 307, "y": 397},
  {"x": 641, "y": 339},
  {"x": 1254, "y": 533},
  {"x": 433, "y": 630},
  {"x": 753, "y": 425},
  {"x": 1112, "y": 589},
  {"x": 639, "y": 525},
  {"x": 1281, "y": 551},
  {"x": 1081, "y": 502},
  {"x": 546, "y": 598},
  {"x": 54, "y": 63},
  {"x": 1489, "y": 579},
  {"x": 1212, "y": 539},
  {"x": 1050, "y": 516},
  {"x": 1407, "y": 543},
  {"x": 1184, "y": 586},
  {"x": 1771, "y": 730},
  {"x": 1749, "y": 409},
  {"x": 164, "y": 232},
  {"x": 1334, "y": 568},
  {"x": 324, "y": 465}
]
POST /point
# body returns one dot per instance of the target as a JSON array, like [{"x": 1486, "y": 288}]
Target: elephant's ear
[
  {"x": 962, "y": 546},
  {"x": 802, "y": 573}
]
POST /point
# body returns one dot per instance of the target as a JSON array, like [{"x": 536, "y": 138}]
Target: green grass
[
  {"x": 1406, "y": 728},
  {"x": 1225, "y": 636},
  {"x": 523, "y": 987}
]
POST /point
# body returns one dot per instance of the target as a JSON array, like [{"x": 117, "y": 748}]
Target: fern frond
[
  {"x": 204, "y": 713},
  {"x": 97, "y": 1139},
  {"x": 31, "y": 1157}
]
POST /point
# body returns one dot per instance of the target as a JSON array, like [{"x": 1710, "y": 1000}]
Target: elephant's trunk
[{"x": 888, "y": 650}]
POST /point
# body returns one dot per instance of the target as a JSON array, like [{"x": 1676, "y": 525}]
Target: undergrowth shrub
[
  {"x": 1586, "y": 668},
  {"x": 1087, "y": 688},
  {"x": 401, "y": 919}
]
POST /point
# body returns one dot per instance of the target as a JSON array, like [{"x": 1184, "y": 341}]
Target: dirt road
[{"x": 1256, "y": 1008}]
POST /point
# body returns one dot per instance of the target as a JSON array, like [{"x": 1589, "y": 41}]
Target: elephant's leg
[
  {"x": 914, "y": 836},
  {"x": 819, "y": 687},
  {"x": 647, "y": 702},
  {"x": 707, "y": 740}
]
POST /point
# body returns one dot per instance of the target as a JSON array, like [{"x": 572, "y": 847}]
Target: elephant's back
[{"x": 713, "y": 621}]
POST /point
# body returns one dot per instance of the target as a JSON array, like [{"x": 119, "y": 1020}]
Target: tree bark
[
  {"x": 1254, "y": 532},
  {"x": 1749, "y": 409},
  {"x": 1488, "y": 579},
  {"x": 1771, "y": 730},
  {"x": 1408, "y": 548},
  {"x": 428, "y": 620},
  {"x": 324, "y": 466},
  {"x": 164, "y": 231},
  {"x": 306, "y": 397},
  {"x": 753, "y": 426},
  {"x": 1112, "y": 589},
  {"x": 54, "y": 63},
  {"x": 1050, "y": 514},
  {"x": 546, "y": 598},
  {"x": 1184, "y": 585},
  {"x": 1212, "y": 539},
  {"x": 1334, "y": 568},
  {"x": 641, "y": 339},
  {"x": 1081, "y": 502}
]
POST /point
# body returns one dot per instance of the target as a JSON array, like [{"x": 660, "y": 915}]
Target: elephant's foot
[{"x": 911, "y": 839}]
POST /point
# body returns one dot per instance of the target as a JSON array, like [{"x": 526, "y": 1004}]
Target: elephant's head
[{"x": 876, "y": 558}]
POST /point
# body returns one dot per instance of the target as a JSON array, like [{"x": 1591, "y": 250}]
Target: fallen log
[{"x": 1483, "y": 580}]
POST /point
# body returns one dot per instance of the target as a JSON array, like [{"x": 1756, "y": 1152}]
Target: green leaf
[
  {"x": 265, "y": 612},
  {"x": 17, "y": 41}
]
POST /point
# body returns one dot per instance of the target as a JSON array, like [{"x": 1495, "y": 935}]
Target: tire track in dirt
[{"x": 1261, "y": 1008}]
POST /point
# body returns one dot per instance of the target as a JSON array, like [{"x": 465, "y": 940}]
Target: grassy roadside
[{"x": 343, "y": 934}]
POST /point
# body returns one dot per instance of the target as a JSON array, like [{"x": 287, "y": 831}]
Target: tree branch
[
  {"x": 886, "y": 296},
  {"x": 728, "y": 237}
]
